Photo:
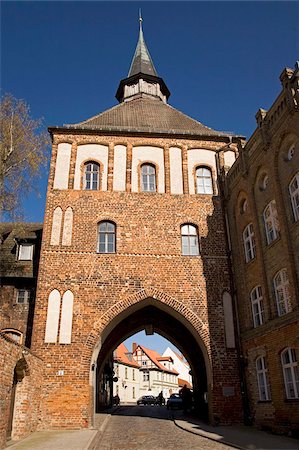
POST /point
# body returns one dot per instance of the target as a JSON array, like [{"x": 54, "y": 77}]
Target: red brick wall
[
  {"x": 148, "y": 257},
  {"x": 26, "y": 411}
]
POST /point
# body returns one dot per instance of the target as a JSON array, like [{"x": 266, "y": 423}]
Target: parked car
[
  {"x": 174, "y": 402},
  {"x": 147, "y": 400}
]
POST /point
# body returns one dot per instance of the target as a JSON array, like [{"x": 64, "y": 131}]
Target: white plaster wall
[
  {"x": 65, "y": 335},
  {"x": 228, "y": 320},
  {"x": 176, "y": 170},
  {"x": 178, "y": 365},
  {"x": 229, "y": 158},
  {"x": 92, "y": 152},
  {"x": 199, "y": 157},
  {"x": 125, "y": 385},
  {"x": 67, "y": 227},
  {"x": 52, "y": 317},
  {"x": 154, "y": 155},
  {"x": 56, "y": 226},
  {"x": 119, "y": 168},
  {"x": 62, "y": 168}
]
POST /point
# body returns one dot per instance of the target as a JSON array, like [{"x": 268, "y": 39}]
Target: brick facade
[{"x": 268, "y": 154}]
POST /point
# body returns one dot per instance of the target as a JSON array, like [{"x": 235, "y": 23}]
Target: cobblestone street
[{"x": 150, "y": 427}]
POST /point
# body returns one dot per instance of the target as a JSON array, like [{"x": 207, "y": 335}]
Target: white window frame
[
  {"x": 22, "y": 254},
  {"x": 94, "y": 183},
  {"x": 262, "y": 379},
  {"x": 249, "y": 242},
  {"x": 271, "y": 222},
  {"x": 26, "y": 297},
  {"x": 294, "y": 194},
  {"x": 104, "y": 240},
  {"x": 148, "y": 178},
  {"x": 256, "y": 298},
  {"x": 290, "y": 373},
  {"x": 189, "y": 240},
  {"x": 204, "y": 180},
  {"x": 282, "y": 293}
]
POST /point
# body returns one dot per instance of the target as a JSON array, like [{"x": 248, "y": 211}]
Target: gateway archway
[{"x": 160, "y": 318}]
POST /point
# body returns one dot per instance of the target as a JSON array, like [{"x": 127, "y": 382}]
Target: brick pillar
[
  {"x": 167, "y": 169},
  {"x": 129, "y": 168},
  {"x": 72, "y": 165},
  {"x": 185, "y": 169},
  {"x": 110, "y": 166}
]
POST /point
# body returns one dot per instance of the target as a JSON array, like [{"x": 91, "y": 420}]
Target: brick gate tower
[{"x": 134, "y": 238}]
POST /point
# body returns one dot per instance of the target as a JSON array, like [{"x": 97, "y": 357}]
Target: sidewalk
[{"x": 241, "y": 437}]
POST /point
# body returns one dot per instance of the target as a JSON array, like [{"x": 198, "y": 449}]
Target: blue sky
[{"x": 220, "y": 60}]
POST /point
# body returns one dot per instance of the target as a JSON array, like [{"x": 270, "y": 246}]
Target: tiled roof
[
  {"x": 182, "y": 382},
  {"x": 144, "y": 114},
  {"x": 154, "y": 356},
  {"x": 123, "y": 356}
]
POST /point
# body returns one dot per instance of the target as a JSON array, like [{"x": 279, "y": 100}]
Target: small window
[
  {"x": 133, "y": 392},
  {"x": 23, "y": 296},
  {"x": 126, "y": 372},
  {"x": 262, "y": 379},
  {"x": 148, "y": 178},
  {"x": 91, "y": 176},
  {"x": 25, "y": 252},
  {"x": 133, "y": 374},
  {"x": 243, "y": 206},
  {"x": 264, "y": 182},
  {"x": 290, "y": 373},
  {"x": 271, "y": 222},
  {"x": 146, "y": 376},
  {"x": 190, "y": 245},
  {"x": 106, "y": 237},
  {"x": 16, "y": 335},
  {"x": 282, "y": 294},
  {"x": 294, "y": 193},
  {"x": 204, "y": 183},
  {"x": 249, "y": 243},
  {"x": 257, "y": 306},
  {"x": 291, "y": 152}
]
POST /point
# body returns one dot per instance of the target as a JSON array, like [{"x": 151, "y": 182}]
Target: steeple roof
[{"x": 142, "y": 61}]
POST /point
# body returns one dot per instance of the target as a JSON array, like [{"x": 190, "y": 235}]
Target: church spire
[
  {"x": 142, "y": 79},
  {"x": 142, "y": 61}
]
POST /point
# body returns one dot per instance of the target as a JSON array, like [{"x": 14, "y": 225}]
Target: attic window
[{"x": 25, "y": 252}]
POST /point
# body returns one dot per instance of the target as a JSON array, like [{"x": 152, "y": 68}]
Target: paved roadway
[{"x": 150, "y": 428}]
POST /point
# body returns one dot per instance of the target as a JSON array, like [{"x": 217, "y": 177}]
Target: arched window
[
  {"x": 91, "y": 176},
  {"x": 16, "y": 335},
  {"x": 282, "y": 294},
  {"x": 290, "y": 373},
  {"x": 294, "y": 193},
  {"x": 271, "y": 222},
  {"x": 262, "y": 379},
  {"x": 106, "y": 237},
  {"x": 257, "y": 306},
  {"x": 249, "y": 242},
  {"x": 204, "y": 184},
  {"x": 148, "y": 178},
  {"x": 190, "y": 245}
]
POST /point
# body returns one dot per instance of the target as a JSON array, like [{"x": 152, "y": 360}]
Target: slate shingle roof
[{"x": 144, "y": 114}]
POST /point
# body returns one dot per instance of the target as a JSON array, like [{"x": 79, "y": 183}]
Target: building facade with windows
[
  {"x": 127, "y": 371},
  {"x": 134, "y": 238},
  {"x": 19, "y": 256},
  {"x": 262, "y": 198}
]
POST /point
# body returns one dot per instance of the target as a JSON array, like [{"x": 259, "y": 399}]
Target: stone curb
[
  {"x": 198, "y": 433},
  {"x": 92, "y": 445}
]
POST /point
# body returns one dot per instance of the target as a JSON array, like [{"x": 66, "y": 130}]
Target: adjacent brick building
[{"x": 262, "y": 196}]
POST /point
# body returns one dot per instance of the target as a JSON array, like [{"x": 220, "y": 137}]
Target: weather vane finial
[{"x": 140, "y": 18}]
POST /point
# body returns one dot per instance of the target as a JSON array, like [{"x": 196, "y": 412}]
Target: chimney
[{"x": 134, "y": 346}]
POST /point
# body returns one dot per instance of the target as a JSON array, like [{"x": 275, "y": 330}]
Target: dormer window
[{"x": 25, "y": 252}]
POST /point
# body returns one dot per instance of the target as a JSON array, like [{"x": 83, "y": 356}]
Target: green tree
[{"x": 23, "y": 151}]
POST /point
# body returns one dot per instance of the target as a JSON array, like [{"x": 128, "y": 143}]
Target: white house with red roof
[
  {"x": 157, "y": 373},
  {"x": 181, "y": 366},
  {"x": 126, "y": 369}
]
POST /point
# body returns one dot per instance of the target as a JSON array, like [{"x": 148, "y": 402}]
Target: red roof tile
[
  {"x": 121, "y": 355},
  {"x": 154, "y": 357}
]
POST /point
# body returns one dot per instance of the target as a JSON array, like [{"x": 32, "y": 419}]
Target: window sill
[
  {"x": 291, "y": 400},
  {"x": 261, "y": 402},
  {"x": 277, "y": 239}
]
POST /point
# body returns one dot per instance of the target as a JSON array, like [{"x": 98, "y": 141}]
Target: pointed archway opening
[{"x": 154, "y": 317}]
